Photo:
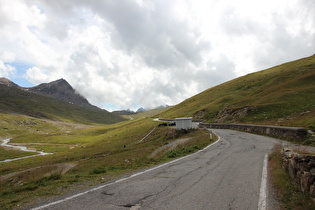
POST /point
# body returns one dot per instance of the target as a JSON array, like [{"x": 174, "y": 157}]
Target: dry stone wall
[
  {"x": 301, "y": 169},
  {"x": 274, "y": 131}
]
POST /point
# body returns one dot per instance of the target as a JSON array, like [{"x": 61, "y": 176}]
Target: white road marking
[
  {"x": 262, "y": 203},
  {"x": 123, "y": 179}
]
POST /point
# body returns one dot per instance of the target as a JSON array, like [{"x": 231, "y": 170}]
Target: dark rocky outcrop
[
  {"x": 62, "y": 90},
  {"x": 234, "y": 114},
  {"x": 7, "y": 82}
]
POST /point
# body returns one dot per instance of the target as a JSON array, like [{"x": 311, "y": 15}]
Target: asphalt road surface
[{"x": 226, "y": 175}]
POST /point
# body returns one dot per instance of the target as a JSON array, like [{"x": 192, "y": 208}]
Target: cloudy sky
[{"x": 123, "y": 54}]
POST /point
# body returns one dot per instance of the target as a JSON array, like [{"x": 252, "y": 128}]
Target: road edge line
[{"x": 262, "y": 202}]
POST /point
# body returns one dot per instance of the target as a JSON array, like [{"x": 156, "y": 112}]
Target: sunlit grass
[
  {"x": 98, "y": 153},
  {"x": 277, "y": 95},
  {"x": 11, "y": 154}
]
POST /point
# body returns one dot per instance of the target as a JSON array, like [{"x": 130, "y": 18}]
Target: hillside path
[{"x": 226, "y": 175}]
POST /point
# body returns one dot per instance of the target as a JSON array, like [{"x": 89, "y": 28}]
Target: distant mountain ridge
[{"x": 141, "y": 109}]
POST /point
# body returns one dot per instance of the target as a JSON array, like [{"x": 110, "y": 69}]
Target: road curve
[{"x": 226, "y": 175}]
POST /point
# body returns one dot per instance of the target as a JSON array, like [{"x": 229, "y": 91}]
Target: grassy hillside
[
  {"x": 82, "y": 155},
  {"x": 283, "y": 95},
  {"x": 16, "y": 101}
]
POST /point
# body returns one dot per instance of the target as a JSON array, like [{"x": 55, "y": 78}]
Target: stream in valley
[{"x": 5, "y": 143}]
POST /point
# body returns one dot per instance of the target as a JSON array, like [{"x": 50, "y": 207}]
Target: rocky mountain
[
  {"x": 61, "y": 90},
  {"x": 141, "y": 109},
  {"x": 55, "y": 101},
  {"x": 7, "y": 82}
]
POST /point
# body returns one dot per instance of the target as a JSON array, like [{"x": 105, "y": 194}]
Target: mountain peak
[
  {"x": 7, "y": 82},
  {"x": 62, "y": 90},
  {"x": 60, "y": 81},
  {"x": 58, "y": 85}
]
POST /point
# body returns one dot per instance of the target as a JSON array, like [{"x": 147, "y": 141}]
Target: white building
[{"x": 183, "y": 123}]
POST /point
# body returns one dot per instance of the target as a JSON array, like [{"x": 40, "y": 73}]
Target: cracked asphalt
[{"x": 226, "y": 175}]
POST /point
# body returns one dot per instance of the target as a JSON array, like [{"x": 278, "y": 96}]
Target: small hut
[{"x": 183, "y": 123}]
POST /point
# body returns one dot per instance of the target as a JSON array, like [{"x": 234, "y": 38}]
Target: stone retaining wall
[
  {"x": 289, "y": 133},
  {"x": 301, "y": 169}
]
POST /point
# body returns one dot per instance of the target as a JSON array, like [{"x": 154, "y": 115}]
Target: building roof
[{"x": 184, "y": 118}]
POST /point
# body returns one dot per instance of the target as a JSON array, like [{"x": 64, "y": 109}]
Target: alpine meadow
[{"x": 88, "y": 147}]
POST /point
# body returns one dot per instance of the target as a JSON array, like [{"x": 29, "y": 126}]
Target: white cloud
[
  {"x": 6, "y": 70},
  {"x": 36, "y": 75},
  {"x": 131, "y": 53}
]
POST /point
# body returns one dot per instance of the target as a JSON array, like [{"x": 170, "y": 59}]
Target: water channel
[{"x": 5, "y": 143}]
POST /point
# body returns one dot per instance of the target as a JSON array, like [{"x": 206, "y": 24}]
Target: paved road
[{"x": 226, "y": 175}]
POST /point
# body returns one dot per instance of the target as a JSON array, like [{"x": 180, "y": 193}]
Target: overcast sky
[{"x": 123, "y": 54}]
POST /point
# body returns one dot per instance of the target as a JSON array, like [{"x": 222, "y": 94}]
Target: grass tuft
[
  {"x": 183, "y": 151},
  {"x": 98, "y": 170}
]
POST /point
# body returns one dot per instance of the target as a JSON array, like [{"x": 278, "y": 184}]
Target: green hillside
[
  {"x": 282, "y": 95},
  {"x": 82, "y": 155},
  {"x": 17, "y": 101}
]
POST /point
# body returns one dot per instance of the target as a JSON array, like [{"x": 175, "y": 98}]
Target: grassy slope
[
  {"x": 283, "y": 91},
  {"x": 99, "y": 152},
  {"x": 17, "y": 101}
]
